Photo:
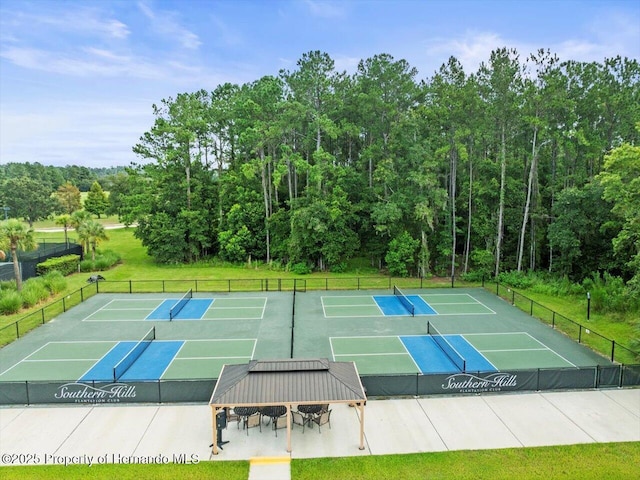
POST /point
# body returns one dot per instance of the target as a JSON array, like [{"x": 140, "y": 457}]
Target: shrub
[
  {"x": 609, "y": 294},
  {"x": 67, "y": 264},
  {"x": 33, "y": 292},
  {"x": 300, "y": 268},
  {"x": 54, "y": 281},
  {"x": 475, "y": 276},
  {"x": 7, "y": 285},
  {"x": 10, "y": 302},
  {"x": 104, "y": 261},
  {"x": 515, "y": 279},
  {"x": 338, "y": 267}
]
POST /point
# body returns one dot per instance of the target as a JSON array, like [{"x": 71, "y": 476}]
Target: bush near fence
[{"x": 66, "y": 265}]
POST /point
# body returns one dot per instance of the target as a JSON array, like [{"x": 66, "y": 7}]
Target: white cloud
[
  {"x": 471, "y": 49},
  {"x": 344, "y": 63},
  {"x": 72, "y": 133},
  {"x": 166, "y": 23},
  {"x": 87, "y": 21}
]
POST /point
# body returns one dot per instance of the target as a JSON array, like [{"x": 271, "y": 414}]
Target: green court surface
[{"x": 217, "y": 329}]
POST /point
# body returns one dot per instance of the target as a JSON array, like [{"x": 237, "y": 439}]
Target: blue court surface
[
  {"x": 391, "y": 305},
  {"x": 430, "y": 358},
  {"x": 194, "y": 309},
  {"x": 150, "y": 365}
]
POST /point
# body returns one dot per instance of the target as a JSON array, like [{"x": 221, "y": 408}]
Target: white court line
[
  {"x": 518, "y": 350},
  {"x": 172, "y": 360},
  {"x": 210, "y": 358},
  {"x": 373, "y": 355},
  {"x": 62, "y": 360},
  {"x": 545, "y": 348},
  {"x": 359, "y": 316},
  {"x": 409, "y": 353},
  {"x": 552, "y": 350}
]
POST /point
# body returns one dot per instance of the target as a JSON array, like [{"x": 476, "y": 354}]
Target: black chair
[
  {"x": 248, "y": 416},
  {"x": 323, "y": 419},
  {"x": 273, "y": 412},
  {"x": 310, "y": 412},
  {"x": 299, "y": 419}
]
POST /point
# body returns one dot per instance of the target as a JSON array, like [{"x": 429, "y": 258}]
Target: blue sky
[{"x": 78, "y": 78}]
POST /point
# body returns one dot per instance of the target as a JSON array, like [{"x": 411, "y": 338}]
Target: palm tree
[
  {"x": 95, "y": 233},
  {"x": 16, "y": 235},
  {"x": 78, "y": 219},
  {"x": 65, "y": 221}
]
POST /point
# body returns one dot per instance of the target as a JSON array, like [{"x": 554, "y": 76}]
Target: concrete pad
[
  {"x": 467, "y": 423},
  {"x": 598, "y": 415},
  {"x": 399, "y": 426},
  {"x": 629, "y": 398},
  {"x": 8, "y": 415},
  {"x": 114, "y": 431},
  {"x": 534, "y": 421},
  {"x": 40, "y": 431},
  {"x": 256, "y": 444},
  {"x": 179, "y": 433},
  {"x": 341, "y": 440},
  {"x": 270, "y": 468}
]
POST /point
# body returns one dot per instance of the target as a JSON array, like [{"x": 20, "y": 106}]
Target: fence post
[
  {"x": 579, "y": 333},
  {"x": 613, "y": 350},
  {"x": 531, "y": 309},
  {"x": 42, "y": 314},
  {"x": 553, "y": 320},
  {"x": 64, "y": 306},
  {"x": 17, "y": 331},
  {"x": 130, "y": 287}
]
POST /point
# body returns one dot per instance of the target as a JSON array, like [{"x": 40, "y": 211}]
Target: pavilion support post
[
  {"x": 361, "y": 407},
  {"x": 289, "y": 428},
  {"x": 214, "y": 414}
]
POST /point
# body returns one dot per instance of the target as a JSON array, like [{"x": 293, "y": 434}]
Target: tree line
[{"x": 527, "y": 164}]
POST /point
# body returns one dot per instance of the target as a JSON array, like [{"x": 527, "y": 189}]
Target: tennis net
[
  {"x": 406, "y": 303},
  {"x": 123, "y": 365},
  {"x": 448, "y": 349},
  {"x": 175, "y": 310}
]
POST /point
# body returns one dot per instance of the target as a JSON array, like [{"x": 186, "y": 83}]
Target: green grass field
[{"x": 585, "y": 462}]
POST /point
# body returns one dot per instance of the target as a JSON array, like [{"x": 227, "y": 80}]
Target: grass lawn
[{"x": 589, "y": 461}]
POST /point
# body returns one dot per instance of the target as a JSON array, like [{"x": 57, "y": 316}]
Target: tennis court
[
  {"x": 400, "y": 304},
  {"x": 107, "y": 361},
  {"x": 144, "y": 337},
  {"x": 436, "y": 353},
  {"x": 127, "y": 309}
]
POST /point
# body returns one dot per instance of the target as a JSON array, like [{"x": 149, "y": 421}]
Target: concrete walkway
[{"x": 183, "y": 433}]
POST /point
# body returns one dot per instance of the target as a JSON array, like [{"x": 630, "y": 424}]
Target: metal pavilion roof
[
  {"x": 287, "y": 382},
  {"x": 290, "y": 381}
]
